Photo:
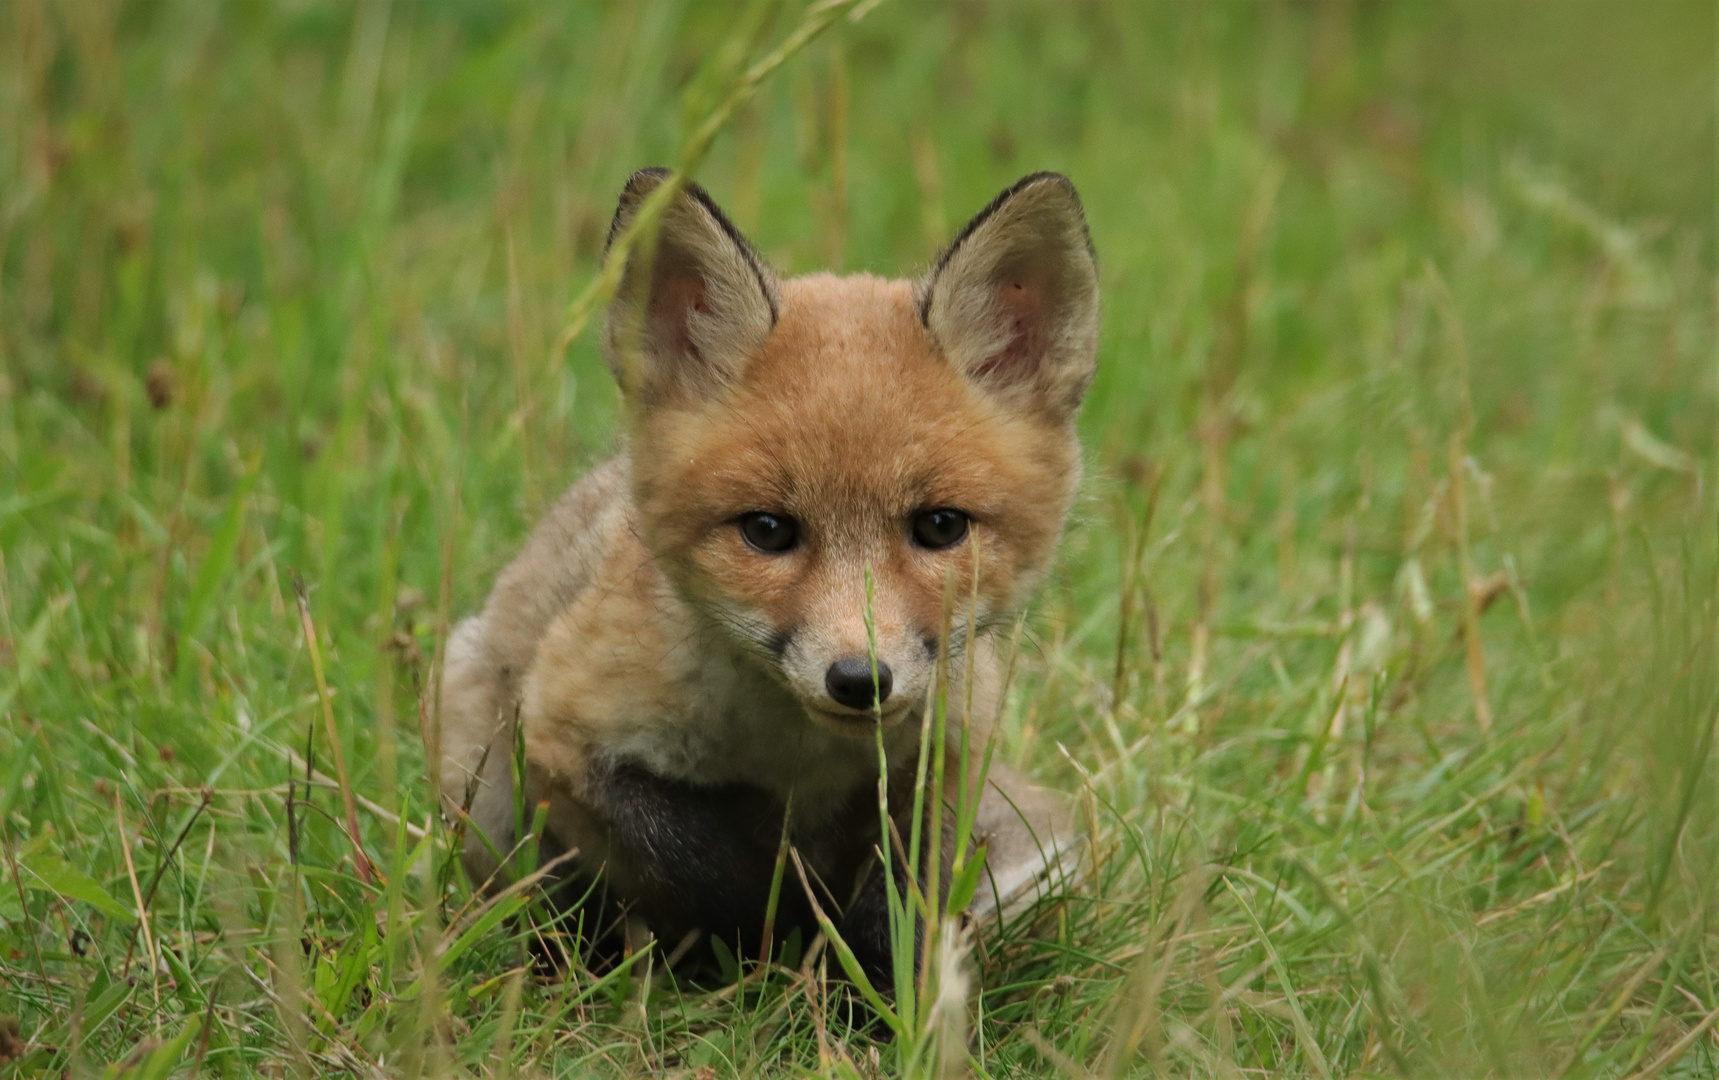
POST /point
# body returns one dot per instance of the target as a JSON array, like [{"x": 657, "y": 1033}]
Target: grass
[{"x": 1382, "y": 651}]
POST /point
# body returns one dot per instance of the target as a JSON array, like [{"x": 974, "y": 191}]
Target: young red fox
[{"x": 684, "y": 638}]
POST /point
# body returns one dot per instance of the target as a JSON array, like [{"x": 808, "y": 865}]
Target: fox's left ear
[{"x": 1013, "y": 301}]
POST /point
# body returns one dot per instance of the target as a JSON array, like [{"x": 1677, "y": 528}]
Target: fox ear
[
  {"x": 1013, "y": 301},
  {"x": 692, "y": 307}
]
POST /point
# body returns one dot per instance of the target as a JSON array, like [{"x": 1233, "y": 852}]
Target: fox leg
[
  {"x": 1030, "y": 839},
  {"x": 477, "y": 733},
  {"x": 864, "y": 923},
  {"x": 1030, "y": 843}
]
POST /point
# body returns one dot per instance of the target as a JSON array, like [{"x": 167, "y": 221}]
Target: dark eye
[
  {"x": 939, "y": 528},
  {"x": 773, "y": 533}
]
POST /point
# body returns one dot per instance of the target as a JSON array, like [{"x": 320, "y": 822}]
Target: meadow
[{"x": 1382, "y": 652}]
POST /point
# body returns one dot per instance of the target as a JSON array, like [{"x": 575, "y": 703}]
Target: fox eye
[
  {"x": 773, "y": 533},
  {"x": 942, "y": 528}
]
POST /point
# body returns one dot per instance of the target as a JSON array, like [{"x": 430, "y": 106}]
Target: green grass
[{"x": 1392, "y": 723}]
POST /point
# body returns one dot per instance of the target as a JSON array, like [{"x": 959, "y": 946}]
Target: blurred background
[{"x": 1384, "y": 642}]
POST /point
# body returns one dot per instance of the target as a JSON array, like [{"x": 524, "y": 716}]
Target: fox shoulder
[
  {"x": 565, "y": 554},
  {"x": 489, "y": 654}
]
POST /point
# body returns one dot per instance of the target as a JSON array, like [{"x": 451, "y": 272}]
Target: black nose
[{"x": 849, "y": 681}]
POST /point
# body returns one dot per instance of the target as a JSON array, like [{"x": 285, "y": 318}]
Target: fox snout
[
  {"x": 829, "y": 664},
  {"x": 850, "y": 685}
]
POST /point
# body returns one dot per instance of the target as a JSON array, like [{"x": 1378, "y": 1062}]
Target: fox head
[{"x": 792, "y": 439}]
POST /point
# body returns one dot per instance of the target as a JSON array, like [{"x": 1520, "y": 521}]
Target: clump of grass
[{"x": 1381, "y": 656}]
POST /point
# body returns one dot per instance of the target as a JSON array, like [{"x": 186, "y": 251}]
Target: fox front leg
[
  {"x": 692, "y": 856},
  {"x": 864, "y": 926},
  {"x": 864, "y": 923}
]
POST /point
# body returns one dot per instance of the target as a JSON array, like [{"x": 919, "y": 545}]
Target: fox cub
[{"x": 684, "y": 638}]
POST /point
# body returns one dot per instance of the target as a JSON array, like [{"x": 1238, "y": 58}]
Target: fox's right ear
[{"x": 693, "y": 306}]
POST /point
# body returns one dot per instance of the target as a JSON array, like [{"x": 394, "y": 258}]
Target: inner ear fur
[
  {"x": 1013, "y": 301},
  {"x": 693, "y": 305}
]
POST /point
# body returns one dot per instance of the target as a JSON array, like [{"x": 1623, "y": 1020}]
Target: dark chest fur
[{"x": 703, "y": 858}]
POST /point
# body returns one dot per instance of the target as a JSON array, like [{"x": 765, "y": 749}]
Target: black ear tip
[
  {"x": 1046, "y": 177},
  {"x": 641, "y": 183},
  {"x": 648, "y": 179},
  {"x": 644, "y": 180},
  {"x": 1049, "y": 180}
]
